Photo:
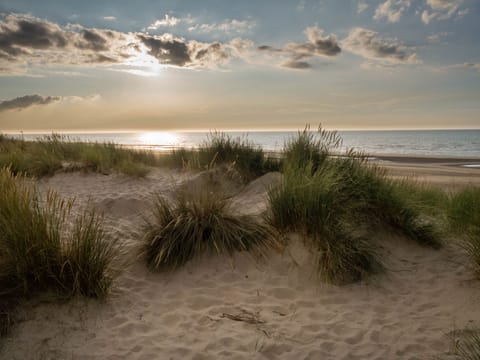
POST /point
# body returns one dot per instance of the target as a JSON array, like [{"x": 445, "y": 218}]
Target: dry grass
[
  {"x": 40, "y": 251},
  {"x": 200, "y": 223},
  {"x": 50, "y": 153}
]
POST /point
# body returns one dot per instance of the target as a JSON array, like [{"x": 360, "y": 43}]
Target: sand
[
  {"x": 449, "y": 174},
  {"x": 224, "y": 308}
]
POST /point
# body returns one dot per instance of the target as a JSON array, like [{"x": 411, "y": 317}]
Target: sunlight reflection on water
[{"x": 164, "y": 138}]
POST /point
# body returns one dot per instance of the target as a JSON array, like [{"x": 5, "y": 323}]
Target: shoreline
[
  {"x": 453, "y": 160},
  {"x": 427, "y": 159}
]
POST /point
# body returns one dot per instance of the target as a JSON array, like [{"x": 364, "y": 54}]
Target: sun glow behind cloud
[{"x": 142, "y": 64}]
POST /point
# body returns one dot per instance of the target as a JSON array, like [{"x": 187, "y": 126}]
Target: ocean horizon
[{"x": 455, "y": 143}]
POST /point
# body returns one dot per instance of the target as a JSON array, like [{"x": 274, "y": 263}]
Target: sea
[{"x": 450, "y": 143}]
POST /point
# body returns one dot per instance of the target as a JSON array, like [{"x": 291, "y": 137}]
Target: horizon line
[{"x": 126, "y": 131}]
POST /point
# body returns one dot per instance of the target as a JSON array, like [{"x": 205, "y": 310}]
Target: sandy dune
[{"x": 222, "y": 308}]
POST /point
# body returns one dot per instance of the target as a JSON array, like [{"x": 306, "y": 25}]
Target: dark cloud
[
  {"x": 175, "y": 51},
  {"x": 298, "y": 53},
  {"x": 25, "y": 38},
  {"x": 93, "y": 40},
  {"x": 208, "y": 55},
  {"x": 297, "y": 65},
  {"x": 18, "y": 33},
  {"x": 166, "y": 49},
  {"x": 102, "y": 59},
  {"x": 317, "y": 45},
  {"x": 370, "y": 45},
  {"x": 23, "y": 102},
  {"x": 269, "y": 48}
]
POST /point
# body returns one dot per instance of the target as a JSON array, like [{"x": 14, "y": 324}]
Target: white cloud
[
  {"x": 392, "y": 10},
  {"x": 362, "y": 6},
  {"x": 301, "y": 5},
  {"x": 438, "y": 37},
  {"x": 462, "y": 13},
  {"x": 110, "y": 18},
  {"x": 233, "y": 26},
  {"x": 474, "y": 66},
  {"x": 165, "y": 22},
  {"x": 442, "y": 10}
]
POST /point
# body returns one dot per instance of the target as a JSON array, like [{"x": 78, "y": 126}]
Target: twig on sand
[{"x": 245, "y": 316}]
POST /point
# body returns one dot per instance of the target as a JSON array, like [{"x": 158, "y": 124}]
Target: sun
[{"x": 160, "y": 139}]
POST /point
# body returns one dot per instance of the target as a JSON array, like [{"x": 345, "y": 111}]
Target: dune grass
[
  {"x": 221, "y": 148},
  {"x": 339, "y": 202},
  {"x": 463, "y": 213},
  {"x": 39, "y": 250},
  {"x": 466, "y": 344},
  {"x": 317, "y": 207},
  {"x": 51, "y": 153},
  {"x": 200, "y": 223}
]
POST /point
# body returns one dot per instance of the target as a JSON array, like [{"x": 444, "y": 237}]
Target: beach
[{"x": 237, "y": 308}]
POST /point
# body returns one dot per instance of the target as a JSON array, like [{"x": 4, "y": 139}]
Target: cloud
[
  {"x": 241, "y": 48},
  {"x": 442, "y": 10},
  {"x": 166, "y": 49},
  {"x": 110, "y": 18},
  {"x": 465, "y": 66},
  {"x": 20, "y": 33},
  {"x": 233, "y": 26},
  {"x": 296, "y": 64},
  {"x": 170, "y": 50},
  {"x": 297, "y": 54},
  {"x": 438, "y": 37},
  {"x": 301, "y": 5},
  {"x": 24, "y": 38},
  {"x": 23, "y": 102},
  {"x": 165, "y": 22},
  {"x": 392, "y": 10},
  {"x": 28, "y": 43},
  {"x": 370, "y": 45},
  {"x": 362, "y": 6}
]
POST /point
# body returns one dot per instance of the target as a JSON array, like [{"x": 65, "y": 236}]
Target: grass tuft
[
  {"x": 196, "y": 224},
  {"x": 339, "y": 202},
  {"x": 39, "y": 251},
  {"x": 467, "y": 344},
  {"x": 463, "y": 212},
  {"x": 317, "y": 207},
  {"x": 310, "y": 149},
  {"x": 87, "y": 259},
  {"x": 220, "y": 149}
]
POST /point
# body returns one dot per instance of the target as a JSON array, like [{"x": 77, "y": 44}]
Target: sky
[{"x": 110, "y": 65}]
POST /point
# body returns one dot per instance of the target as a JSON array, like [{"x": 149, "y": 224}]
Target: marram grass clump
[
  {"x": 339, "y": 202},
  {"x": 200, "y": 223},
  {"x": 317, "y": 207},
  {"x": 220, "y": 149},
  {"x": 39, "y": 250},
  {"x": 463, "y": 212},
  {"x": 466, "y": 344}
]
